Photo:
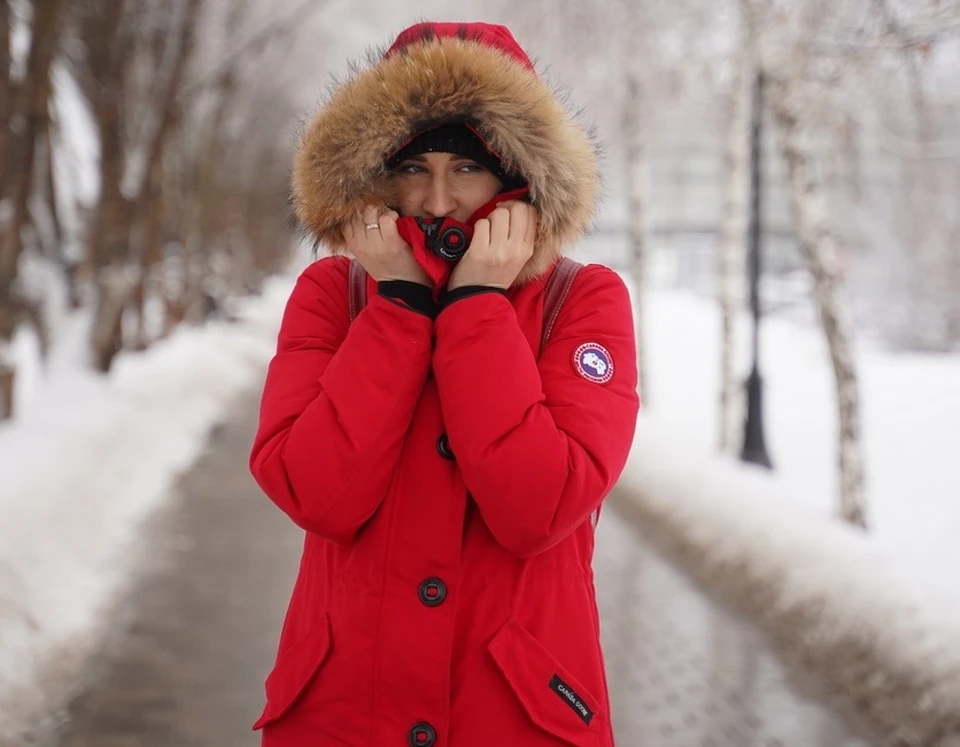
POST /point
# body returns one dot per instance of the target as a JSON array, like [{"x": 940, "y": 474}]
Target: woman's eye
[
  {"x": 411, "y": 168},
  {"x": 472, "y": 168}
]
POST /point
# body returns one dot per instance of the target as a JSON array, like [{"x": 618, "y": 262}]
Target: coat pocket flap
[
  {"x": 296, "y": 666},
  {"x": 552, "y": 697}
]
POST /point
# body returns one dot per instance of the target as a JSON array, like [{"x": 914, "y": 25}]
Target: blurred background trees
[
  {"x": 145, "y": 148},
  {"x": 144, "y": 164},
  {"x": 859, "y": 167}
]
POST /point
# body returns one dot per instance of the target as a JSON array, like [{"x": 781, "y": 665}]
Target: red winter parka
[{"x": 445, "y": 471}]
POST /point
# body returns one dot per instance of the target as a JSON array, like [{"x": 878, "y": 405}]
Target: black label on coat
[{"x": 571, "y": 698}]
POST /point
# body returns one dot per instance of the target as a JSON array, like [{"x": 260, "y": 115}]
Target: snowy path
[
  {"x": 203, "y": 625},
  {"x": 682, "y": 671},
  {"x": 188, "y": 670}
]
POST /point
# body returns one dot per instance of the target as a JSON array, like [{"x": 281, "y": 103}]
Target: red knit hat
[{"x": 489, "y": 34}]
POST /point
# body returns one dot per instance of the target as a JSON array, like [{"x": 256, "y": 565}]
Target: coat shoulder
[
  {"x": 321, "y": 290},
  {"x": 331, "y": 270},
  {"x": 594, "y": 279},
  {"x": 600, "y": 293}
]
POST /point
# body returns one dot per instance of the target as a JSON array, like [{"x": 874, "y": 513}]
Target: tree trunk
[
  {"x": 112, "y": 278},
  {"x": 953, "y": 269},
  {"x": 7, "y": 87},
  {"x": 169, "y": 116},
  {"x": 820, "y": 248},
  {"x": 8, "y": 371},
  {"x": 138, "y": 307},
  {"x": 152, "y": 251},
  {"x": 28, "y": 117},
  {"x": 205, "y": 216},
  {"x": 109, "y": 248},
  {"x": 637, "y": 164},
  {"x": 733, "y": 234},
  {"x": 41, "y": 216},
  {"x": 109, "y": 240},
  {"x": 168, "y": 107}
]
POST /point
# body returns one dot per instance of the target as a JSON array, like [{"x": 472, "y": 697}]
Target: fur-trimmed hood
[{"x": 435, "y": 73}]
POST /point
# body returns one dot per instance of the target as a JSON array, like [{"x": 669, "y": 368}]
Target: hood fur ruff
[{"x": 339, "y": 167}]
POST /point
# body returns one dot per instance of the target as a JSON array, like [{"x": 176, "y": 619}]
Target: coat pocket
[
  {"x": 552, "y": 697},
  {"x": 295, "y": 668}
]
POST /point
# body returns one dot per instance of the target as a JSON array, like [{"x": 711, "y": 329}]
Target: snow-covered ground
[
  {"x": 911, "y": 424},
  {"x": 88, "y": 458},
  {"x": 870, "y": 621}
]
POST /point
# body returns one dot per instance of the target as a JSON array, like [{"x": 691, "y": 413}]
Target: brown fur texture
[{"x": 339, "y": 167}]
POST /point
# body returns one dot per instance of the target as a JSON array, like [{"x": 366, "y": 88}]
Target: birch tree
[
  {"x": 733, "y": 227},
  {"x": 818, "y": 77},
  {"x": 785, "y": 61},
  {"x": 820, "y": 249},
  {"x": 627, "y": 73},
  {"x": 637, "y": 170}
]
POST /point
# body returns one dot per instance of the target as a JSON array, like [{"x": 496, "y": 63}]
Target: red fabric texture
[
  {"x": 488, "y": 34},
  {"x": 349, "y": 446},
  {"x": 437, "y": 268},
  {"x": 445, "y": 473}
]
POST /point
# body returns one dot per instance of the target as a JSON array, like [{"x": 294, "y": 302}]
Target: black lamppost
[{"x": 754, "y": 446}]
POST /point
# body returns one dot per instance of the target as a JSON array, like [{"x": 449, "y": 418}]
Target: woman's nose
[{"x": 440, "y": 200}]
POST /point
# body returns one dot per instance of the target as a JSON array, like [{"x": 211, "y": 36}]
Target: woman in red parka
[{"x": 446, "y": 467}]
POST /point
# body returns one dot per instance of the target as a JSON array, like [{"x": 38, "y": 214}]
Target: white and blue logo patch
[{"x": 593, "y": 362}]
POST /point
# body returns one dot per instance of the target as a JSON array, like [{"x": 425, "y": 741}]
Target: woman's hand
[
  {"x": 502, "y": 244},
  {"x": 382, "y": 251}
]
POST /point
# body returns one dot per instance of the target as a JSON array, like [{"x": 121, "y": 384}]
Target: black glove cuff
[
  {"x": 410, "y": 295},
  {"x": 466, "y": 291}
]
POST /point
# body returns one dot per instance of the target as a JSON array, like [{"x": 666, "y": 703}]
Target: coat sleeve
[
  {"x": 539, "y": 445},
  {"x": 337, "y": 401}
]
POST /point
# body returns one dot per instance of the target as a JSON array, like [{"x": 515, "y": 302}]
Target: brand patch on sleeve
[
  {"x": 571, "y": 698},
  {"x": 593, "y": 362}
]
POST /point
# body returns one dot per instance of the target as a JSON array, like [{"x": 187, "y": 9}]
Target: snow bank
[
  {"x": 846, "y": 618},
  {"x": 82, "y": 469}
]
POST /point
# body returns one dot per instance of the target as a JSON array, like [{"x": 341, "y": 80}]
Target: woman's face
[{"x": 442, "y": 185}]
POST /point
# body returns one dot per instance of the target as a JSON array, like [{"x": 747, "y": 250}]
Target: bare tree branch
[{"x": 281, "y": 27}]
